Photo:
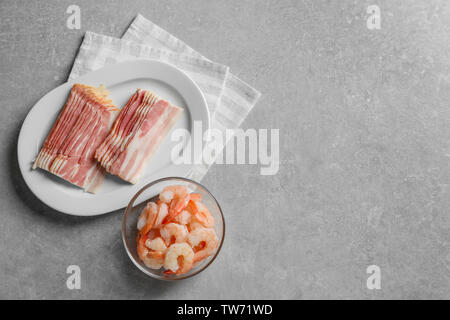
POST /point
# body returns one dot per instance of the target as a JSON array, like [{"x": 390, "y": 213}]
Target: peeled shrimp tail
[
  {"x": 179, "y": 258},
  {"x": 151, "y": 210},
  {"x": 203, "y": 241}
]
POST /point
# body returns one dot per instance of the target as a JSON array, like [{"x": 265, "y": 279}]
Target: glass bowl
[{"x": 150, "y": 192}]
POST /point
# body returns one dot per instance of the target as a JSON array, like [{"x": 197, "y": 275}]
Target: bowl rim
[{"x": 128, "y": 209}]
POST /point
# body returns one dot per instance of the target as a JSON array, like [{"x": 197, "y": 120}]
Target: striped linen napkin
[
  {"x": 98, "y": 51},
  {"x": 229, "y": 99}
]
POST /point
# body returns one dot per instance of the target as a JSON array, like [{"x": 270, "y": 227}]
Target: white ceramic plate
[{"x": 121, "y": 80}]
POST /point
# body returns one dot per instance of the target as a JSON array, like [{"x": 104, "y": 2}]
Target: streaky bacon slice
[
  {"x": 84, "y": 122},
  {"x": 138, "y": 131}
]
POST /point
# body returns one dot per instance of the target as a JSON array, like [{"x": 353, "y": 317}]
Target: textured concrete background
[{"x": 364, "y": 122}]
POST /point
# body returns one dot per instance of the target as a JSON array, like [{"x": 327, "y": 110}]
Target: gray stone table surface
[{"x": 364, "y": 175}]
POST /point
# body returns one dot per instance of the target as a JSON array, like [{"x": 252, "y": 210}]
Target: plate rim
[{"x": 20, "y": 141}]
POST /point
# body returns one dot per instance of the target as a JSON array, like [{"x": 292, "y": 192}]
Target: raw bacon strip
[
  {"x": 136, "y": 134},
  {"x": 68, "y": 151}
]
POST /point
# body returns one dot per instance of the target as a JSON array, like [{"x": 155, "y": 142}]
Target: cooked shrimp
[
  {"x": 156, "y": 244},
  {"x": 154, "y": 233},
  {"x": 176, "y": 232},
  {"x": 178, "y": 197},
  {"x": 150, "y": 213},
  {"x": 179, "y": 258},
  {"x": 156, "y": 255},
  {"x": 142, "y": 221},
  {"x": 153, "y": 263},
  {"x": 176, "y": 206},
  {"x": 173, "y": 233},
  {"x": 201, "y": 214},
  {"x": 203, "y": 241},
  {"x": 154, "y": 259},
  {"x": 141, "y": 249},
  {"x": 196, "y": 197},
  {"x": 171, "y": 192},
  {"x": 151, "y": 252},
  {"x": 194, "y": 225},
  {"x": 163, "y": 211},
  {"x": 183, "y": 218}
]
